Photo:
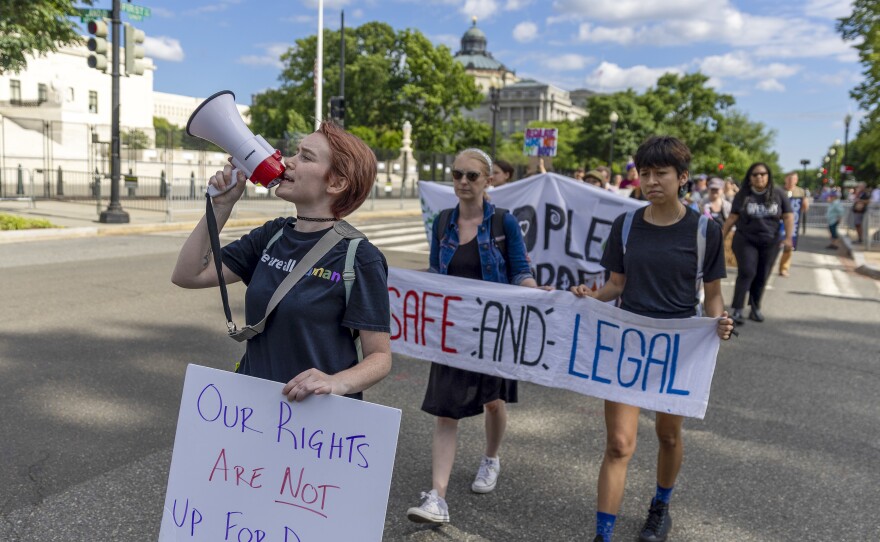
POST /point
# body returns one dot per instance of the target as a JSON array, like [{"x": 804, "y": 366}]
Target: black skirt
[{"x": 457, "y": 393}]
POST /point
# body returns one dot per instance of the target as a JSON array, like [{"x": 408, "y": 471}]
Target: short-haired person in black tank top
[
  {"x": 756, "y": 212},
  {"x": 469, "y": 248},
  {"x": 655, "y": 277}
]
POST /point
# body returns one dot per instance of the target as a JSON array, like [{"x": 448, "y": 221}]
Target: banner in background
[
  {"x": 250, "y": 465},
  {"x": 564, "y": 222},
  {"x": 554, "y": 339}
]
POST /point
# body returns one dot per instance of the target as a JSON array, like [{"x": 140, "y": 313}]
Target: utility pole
[{"x": 114, "y": 213}]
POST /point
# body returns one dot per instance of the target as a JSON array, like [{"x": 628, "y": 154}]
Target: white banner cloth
[
  {"x": 250, "y": 465},
  {"x": 554, "y": 339},
  {"x": 565, "y": 223}
]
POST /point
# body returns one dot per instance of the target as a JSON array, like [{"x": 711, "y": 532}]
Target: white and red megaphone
[{"x": 217, "y": 120}]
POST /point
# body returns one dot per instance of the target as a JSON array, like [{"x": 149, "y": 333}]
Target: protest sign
[
  {"x": 250, "y": 465},
  {"x": 797, "y": 205},
  {"x": 554, "y": 339},
  {"x": 565, "y": 223},
  {"x": 540, "y": 141}
]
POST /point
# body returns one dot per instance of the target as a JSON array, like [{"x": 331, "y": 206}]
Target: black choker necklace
[{"x": 310, "y": 219}]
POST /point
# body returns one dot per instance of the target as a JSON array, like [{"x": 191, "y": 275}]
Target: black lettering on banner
[
  {"x": 501, "y": 325},
  {"x": 594, "y": 239},
  {"x": 568, "y": 250},
  {"x": 528, "y": 223},
  {"x": 554, "y": 219}
]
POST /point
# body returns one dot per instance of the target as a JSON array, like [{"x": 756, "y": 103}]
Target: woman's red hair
[{"x": 350, "y": 159}]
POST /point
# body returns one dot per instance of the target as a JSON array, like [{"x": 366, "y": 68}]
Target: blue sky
[{"x": 782, "y": 60}]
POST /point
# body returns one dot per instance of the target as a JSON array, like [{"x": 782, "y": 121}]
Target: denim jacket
[{"x": 510, "y": 268}]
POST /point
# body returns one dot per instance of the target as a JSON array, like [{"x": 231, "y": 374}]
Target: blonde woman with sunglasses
[{"x": 467, "y": 247}]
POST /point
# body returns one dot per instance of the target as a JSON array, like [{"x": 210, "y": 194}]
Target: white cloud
[
  {"x": 481, "y": 9},
  {"x": 739, "y": 65},
  {"x": 600, "y": 34},
  {"x": 568, "y": 62},
  {"x": 609, "y": 77},
  {"x": 771, "y": 85},
  {"x": 301, "y": 19},
  {"x": 163, "y": 48},
  {"x": 358, "y": 14},
  {"x": 328, "y": 4},
  {"x": 450, "y": 40},
  {"x": 514, "y": 5},
  {"x": 828, "y": 9},
  {"x": 271, "y": 57},
  {"x": 162, "y": 12},
  {"x": 525, "y": 32},
  {"x": 213, "y": 7},
  {"x": 630, "y": 11}
]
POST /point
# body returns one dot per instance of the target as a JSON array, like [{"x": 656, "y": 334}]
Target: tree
[
  {"x": 30, "y": 27},
  {"x": 864, "y": 24},
  {"x": 635, "y": 124},
  {"x": 390, "y": 77}
]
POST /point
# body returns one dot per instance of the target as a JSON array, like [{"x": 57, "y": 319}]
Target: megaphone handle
[{"x": 212, "y": 190}]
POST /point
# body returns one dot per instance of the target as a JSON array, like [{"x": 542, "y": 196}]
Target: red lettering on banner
[
  {"x": 425, "y": 317},
  {"x": 241, "y": 478},
  {"x": 446, "y": 323},
  {"x": 414, "y": 315},
  {"x": 395, "y": 336}
]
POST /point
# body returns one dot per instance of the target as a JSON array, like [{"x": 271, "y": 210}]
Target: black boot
[
  {"x": 737, "y": 316},
  {"x": 755, "y": 314},
  {"x": 658, "y": 524}
]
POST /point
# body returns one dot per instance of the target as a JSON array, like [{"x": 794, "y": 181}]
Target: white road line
[
  {"x": 825, "y": 283},
  {"x": 845, "y": 283},
  {"x": 397, "y": 239},
  {"x": 390, "y": 225}
]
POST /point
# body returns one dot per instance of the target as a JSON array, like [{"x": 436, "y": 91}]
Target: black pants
[{"x": 754, "y": 263}]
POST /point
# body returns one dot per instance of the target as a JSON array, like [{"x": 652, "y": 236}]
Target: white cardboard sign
[
  {"x": 251, "y": 466},
  {"x": 554, "y": 339}
]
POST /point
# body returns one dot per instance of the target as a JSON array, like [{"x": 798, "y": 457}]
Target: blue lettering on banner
[
  {"x": 194, "y": 518},
  {"x": 661, "y": 350},
  {"x": 207, "y": 408}
]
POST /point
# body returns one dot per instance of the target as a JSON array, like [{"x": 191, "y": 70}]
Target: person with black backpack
[
  {"x": 661, "y": 257},
  {"x": 478, "y": 241}
]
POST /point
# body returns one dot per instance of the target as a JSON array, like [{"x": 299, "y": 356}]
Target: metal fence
[{"x": 815, "y": 217}]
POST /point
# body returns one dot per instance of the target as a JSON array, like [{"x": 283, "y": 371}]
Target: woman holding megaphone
[{"x": 309, "y": 341}]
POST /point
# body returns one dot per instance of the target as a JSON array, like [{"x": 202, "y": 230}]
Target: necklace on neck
[
  {"x": 678, "y": 215},
  {"x": 311, "y": 219}
]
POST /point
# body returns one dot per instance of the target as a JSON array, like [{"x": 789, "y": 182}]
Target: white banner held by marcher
[
  {"x": 565, "y": 223},
  {"x": 250, "y": 465},
  {"x": 554, "y": 339}
]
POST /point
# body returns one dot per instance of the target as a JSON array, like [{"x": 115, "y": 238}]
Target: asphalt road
[{"x": 94, "y": 342}]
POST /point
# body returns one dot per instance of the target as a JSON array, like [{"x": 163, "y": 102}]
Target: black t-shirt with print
[
  {"x": 660, "y": 264},
  {"x": 758, "y": 218},
  {"x": 310, "y": 327}
]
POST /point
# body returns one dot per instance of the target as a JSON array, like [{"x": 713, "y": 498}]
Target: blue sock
[
  {"x": 663, "y": 494},
  {"x": 605, "y": 525}
]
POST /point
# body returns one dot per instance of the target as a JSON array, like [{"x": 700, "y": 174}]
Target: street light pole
[
  {"x": 494, "y": 98},
  {"x": 613, "y": 117},
  {"x": 114, "y": 213},
  {"x": 846, "y": 121}
]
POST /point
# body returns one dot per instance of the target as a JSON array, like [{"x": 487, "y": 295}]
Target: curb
[
  {"x": 862, "y": 268},
  {"x": 20, "y": 236}
]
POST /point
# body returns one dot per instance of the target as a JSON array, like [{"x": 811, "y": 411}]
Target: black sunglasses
[{"x": 472, "y": 176}]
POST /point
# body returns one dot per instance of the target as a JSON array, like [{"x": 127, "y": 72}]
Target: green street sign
[
  {"x": 90, "y": 14},
  {"x": 135, "y": 13}
]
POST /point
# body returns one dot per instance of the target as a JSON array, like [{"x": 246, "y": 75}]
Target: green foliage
[
  {"x": 136, "y": 139},
  {"x": 390, "y": 77},
  {"x": 171, "y": 136},
  {"x": 13, "y": 222},
  {"x": 29, "y": 27},
  {"x": 864, "y": 24},
  {"x": 682, "y": 106}
]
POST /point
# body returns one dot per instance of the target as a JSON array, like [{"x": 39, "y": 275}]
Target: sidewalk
[
  {"x": 866, "y": 262},
  {"x": 77, "y": 219}
]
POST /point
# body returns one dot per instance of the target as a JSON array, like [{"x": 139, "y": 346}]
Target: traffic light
[
  {"x": 720, "y": 167},
  {"x": 97, "y": 44},
  {"x": 134, "y": 51},
  {"x": 337, "y": 108}
]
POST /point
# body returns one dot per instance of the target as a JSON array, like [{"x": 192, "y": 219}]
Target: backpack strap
[
  {"x": 627, "y": 226},
  {"x": 443, "y": 220},
  {"x": 348, "y": 276},
  {"x": 702, "y": 226},
  {"x": 498, "y": 234},
  {"x": 274, "y": 238}
]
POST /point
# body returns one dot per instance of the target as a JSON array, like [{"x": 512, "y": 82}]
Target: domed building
[{"x": 520, "y": 101}]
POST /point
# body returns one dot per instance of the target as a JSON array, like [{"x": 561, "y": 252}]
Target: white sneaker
[
  {"x": 487, "y": 475},
  {"x": 432, "y": 510}
]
